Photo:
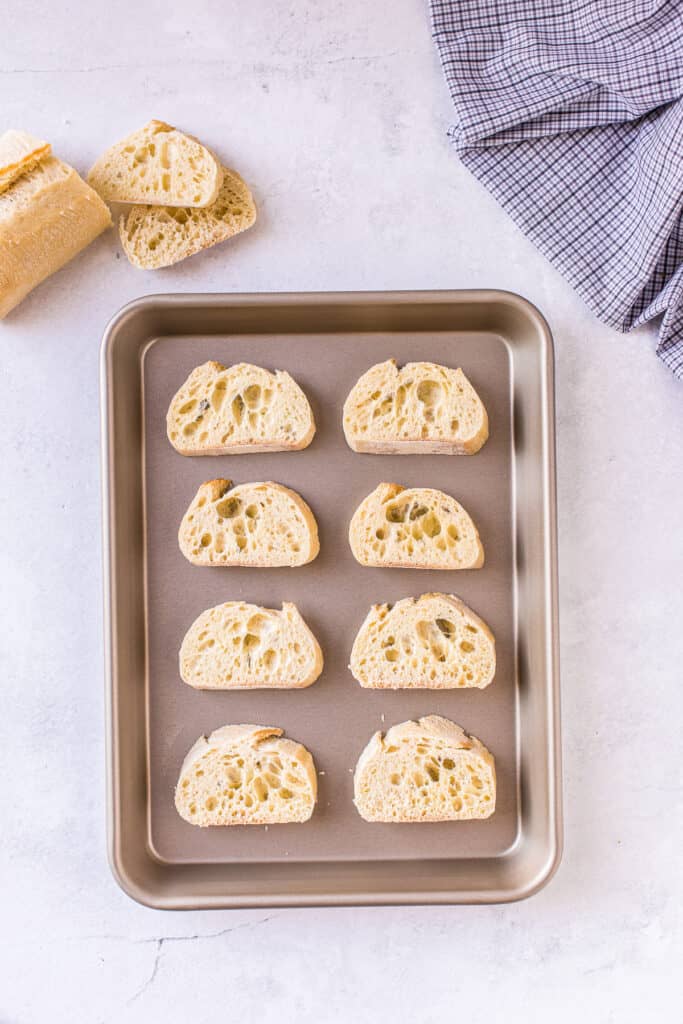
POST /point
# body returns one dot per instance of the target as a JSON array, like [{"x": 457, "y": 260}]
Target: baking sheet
[{"x": 153, "y": 594}]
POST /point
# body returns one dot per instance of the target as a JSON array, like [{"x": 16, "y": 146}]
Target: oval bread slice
[
  {"x": 421, "y": 408},
  {"x": 261, "y": 525},
  {"x": 19, "y": 153},
  {"x": 246, "y": 775},
  {"x": 159, "y": 236},
  {"x": 429, "y": 770},
  {"x": 414, "y": 528},
  {"x": 230, "y": 410},
  {"x": 240, "y": 646},
  {"x": 158, "y": 165},
  {"x": 434, "y": 642}
]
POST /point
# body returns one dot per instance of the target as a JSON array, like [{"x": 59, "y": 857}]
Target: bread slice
[
  {"x": 262, "y": 525},
  {"x": 240, "y": 646},
  {"x": 159, "y": 236},
  {"x": 421, "y": 408},
  {"x": 46, "y": 217},
  {"x": 246, "y": 775},
  {"x": 435, "y": 642},
  {"x": 229, "y": 410},
  {"x": 414, "y": 528},
  {"x": 158, "y": 165},
  {"x": 429, "y": 770},
  {"x": 19, "y": 153}
]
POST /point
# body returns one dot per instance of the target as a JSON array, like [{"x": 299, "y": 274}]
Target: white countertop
[{"x": 336, "y": 113}]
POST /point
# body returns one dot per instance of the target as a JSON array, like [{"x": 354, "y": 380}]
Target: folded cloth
[{"x": 571, "y": 113}]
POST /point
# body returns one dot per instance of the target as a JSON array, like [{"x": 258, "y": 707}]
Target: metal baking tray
[{"x": 152, "y": 594}]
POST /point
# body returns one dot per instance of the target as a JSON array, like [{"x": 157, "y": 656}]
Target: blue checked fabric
[{"x": 571, "y": 113}]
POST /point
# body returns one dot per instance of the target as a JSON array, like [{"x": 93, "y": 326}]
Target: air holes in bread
[
  {"x": 244, "y": 408},
  {"x": 429, "y": 642}
]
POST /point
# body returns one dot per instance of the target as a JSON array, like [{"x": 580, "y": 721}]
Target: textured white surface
[{"x": 336, "y": 113}]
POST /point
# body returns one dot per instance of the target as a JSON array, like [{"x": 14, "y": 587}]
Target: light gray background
[{"x": 336, "y": 112}]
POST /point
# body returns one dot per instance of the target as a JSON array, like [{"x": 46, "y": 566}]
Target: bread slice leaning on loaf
[
  {"x": 414, "y": 528},
  {"x": 159, "y": 236},
  {"x": 240, "y": 646},
  {"x": 46, "y": 217},
  {"x": 19, "y": 153},
  {"x": 262, "y": 525},
  {"x": 158, "y": 165},
  {"x": 246, "y": 775},
  {"x": 239, "y": 409},
  {"x": 423, "y": 408},
  {"x": 432, "y": 642},
  {"x": 429, "y": 770}
]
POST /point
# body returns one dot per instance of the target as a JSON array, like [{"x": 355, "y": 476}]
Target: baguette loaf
[
  {"x": 159, "y": 236},
  {"x": 46, "y": 217},
  {"x": 257, "y": 524},
  {"x": 239, "y": 646},
  {"x": 421, "y": 408},
  {"x": 414, "y": 528},
  {"x": 242, "y": 408},
  {"x": 158, "y": 165},
  {"x": 429, "y": 770},
  {"x": 434, "y": 642},
  {"x": 19, "y": 153},
  {"x": 246, "y": 775}
]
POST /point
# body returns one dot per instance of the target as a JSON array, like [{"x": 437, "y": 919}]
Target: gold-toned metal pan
[{"x": 152, "y": 595}]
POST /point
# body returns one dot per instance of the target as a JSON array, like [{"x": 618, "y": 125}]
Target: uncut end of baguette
[
  {"x": 420, "y": 408},
  {"x": 434, "y": 642},
  {"x": 154, "y": 237},
  {"x": 262, "y": 525},
  {"x": 158, "y": 165},
  {"x": 423, "y": 771},
  {"x": 47, "y": 217},
  {"x": 239, "y": 409},
  {"x": 240, "y": 646},
  {"x": 418, "y": 528},
  {"x": 246, "y": 775}
]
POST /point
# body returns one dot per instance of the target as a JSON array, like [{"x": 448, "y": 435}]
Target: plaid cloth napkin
[{"x": 571, "y": 113}]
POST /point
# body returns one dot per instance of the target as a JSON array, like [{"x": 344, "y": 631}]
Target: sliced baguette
[
  {"x": 158, "y": 165},
  {"x": 246, "y": 775},
  {"x": 414, "y": 528},
  {"x": 19, "y": 153},
  {"x": 159, "y": 236},
  {"x": 435, "y": 642},
  {"x": 421, "y": 408},
  {"x": 240, "y": 646},
  {"x": 429, "y": 770},
  {"x": 46, "y": 217},
  {"x": 262, "y": 525},
  {"x": 223, "y": 410}
]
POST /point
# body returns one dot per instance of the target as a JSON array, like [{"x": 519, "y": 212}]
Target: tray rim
[{"x": 147, "y": 894}]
